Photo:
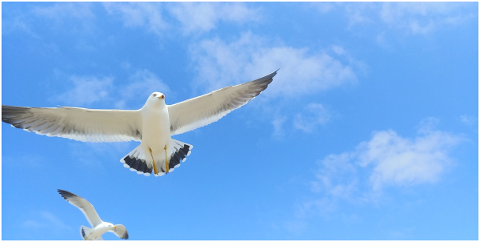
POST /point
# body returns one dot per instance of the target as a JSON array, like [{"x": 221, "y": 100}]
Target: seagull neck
[{"x": 153, "y": 107}]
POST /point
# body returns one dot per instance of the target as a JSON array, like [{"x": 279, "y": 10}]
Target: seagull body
[
  {"x": 152, "y": 125},
  {"x": 156, "y": 142},
  {"x": 98, "y": 226}
]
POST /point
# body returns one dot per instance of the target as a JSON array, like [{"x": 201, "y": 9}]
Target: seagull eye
[{"x": 154, "y": 95}]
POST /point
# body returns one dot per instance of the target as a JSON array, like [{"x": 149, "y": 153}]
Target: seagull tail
[
  {"x": 84, "y": 231},
  {"x": 180, "y": 153},
  {"x": 135, "y": 160}
]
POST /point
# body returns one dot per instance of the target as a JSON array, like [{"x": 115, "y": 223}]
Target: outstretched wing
[
  {"x": 202, "y": 110},
  {"x": 84, "y": 206},
  {"x": 88, "y": 125},
  {"x": 120, "y": 231}
]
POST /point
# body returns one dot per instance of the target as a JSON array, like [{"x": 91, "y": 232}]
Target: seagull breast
[{"x": 156, "y": 127}]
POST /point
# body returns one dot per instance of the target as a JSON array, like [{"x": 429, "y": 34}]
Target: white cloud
[
  {"x": 202, "y": 17},
  {"x": 302, "y": 71},
  {"x": 400, "y": 161},
  {"x": 86, "y": 90},
  {"x": 314, "y": 114},
  {"x": 387, "y": 159},
  {"x": 146, "y": 15}
]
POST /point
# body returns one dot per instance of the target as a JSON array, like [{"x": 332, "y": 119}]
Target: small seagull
[
  {"x": 152, "y": 125},
  {"x": 98, "y": 226}
]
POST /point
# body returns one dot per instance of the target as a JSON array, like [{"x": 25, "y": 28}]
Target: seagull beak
[{"x": 162, "y": 97}]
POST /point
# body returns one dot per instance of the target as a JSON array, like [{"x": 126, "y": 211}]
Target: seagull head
[
  {"x": 156, "y": 99},
  {"x": 158, "y": 95}
]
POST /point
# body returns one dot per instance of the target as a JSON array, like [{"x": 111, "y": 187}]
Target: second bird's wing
[{"x": 85, "y": 206}]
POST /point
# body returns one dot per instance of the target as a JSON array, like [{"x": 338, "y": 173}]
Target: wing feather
[
  {"x": 88, "y": 125},
  {"x": 203, "y": 110},
  {"x": 84, "y": 206}
]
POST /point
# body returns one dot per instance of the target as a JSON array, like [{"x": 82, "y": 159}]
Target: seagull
[
  {"x": 152, "y": 125},
  {"x": 98, "y": 226}
]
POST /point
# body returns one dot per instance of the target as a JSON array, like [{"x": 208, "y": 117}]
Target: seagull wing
[
  {"x": 88, "y": 125},
  {"x": 202, "y": 110},
  {"x": 120, "y": 231},
  {"x": 84, "y": 206}
]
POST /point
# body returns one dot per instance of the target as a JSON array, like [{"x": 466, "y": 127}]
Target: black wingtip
[
  {"x": 65, "y": 194},
  {"x": 271, "y": 75},
  {"x": 265, "y": 80}
]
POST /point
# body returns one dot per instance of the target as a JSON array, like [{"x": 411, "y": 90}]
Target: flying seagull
[
  {"x": 98, "y": 226},
  {"x": 152, "y": 125}
]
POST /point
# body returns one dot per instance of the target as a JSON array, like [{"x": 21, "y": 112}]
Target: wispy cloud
[
  {"x": 202, "y": 17},
  {"x": 56, "y": 14},
  {"x": 191, "y": 17},
  {"x": 361, "y": 175},
  {"x": 468, "y": 120},
  {"x": 314, "y": 114},
  {"x": 18, "y": 23},
  {"x": 86, "y": 90},
  {"x": 303, "y": 71},
  {"x": 141, "y": 84},
  {"x": 406, "y": 17},
  {"x": 59, "y": 11},
  {"x": 386, "y": 160},
  {"x": 157, "y": 18},
  {"x": 24, "y": 160},
  {"x": 323, "y": 7},
  {"x": 358, "y": 13},
  {"x": 46, "y": 220},
  {"x": 422, "y": 18},
  {"x": 78, "y": 15},
  {"x": 278, "y": 123},
  {"x": 143, "y": 15}
]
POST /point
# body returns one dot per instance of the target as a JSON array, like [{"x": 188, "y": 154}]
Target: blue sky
[{"x": 369, "y": 130}]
